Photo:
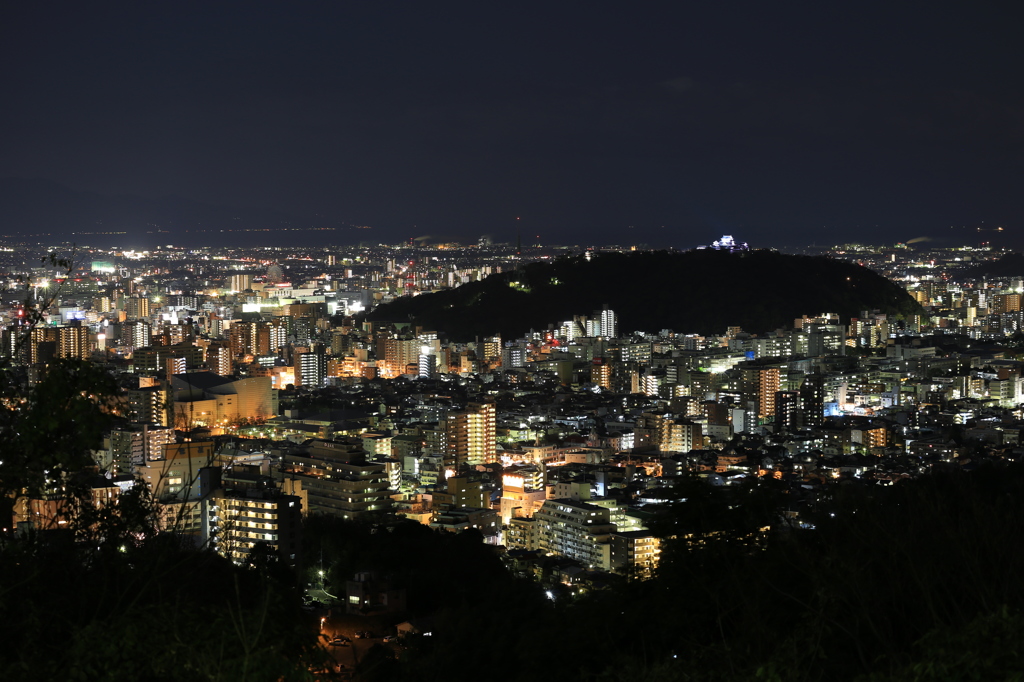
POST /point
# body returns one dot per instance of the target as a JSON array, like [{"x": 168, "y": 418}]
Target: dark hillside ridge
[
  {"x": 700, "y": 292},
  {"x": 1009, "y": 265}
]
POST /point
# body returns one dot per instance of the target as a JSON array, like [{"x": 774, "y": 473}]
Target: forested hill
[{"x": 693, "y": 292}]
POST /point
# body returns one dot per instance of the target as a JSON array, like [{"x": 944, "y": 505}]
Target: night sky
[{"x": 667, "y": 123}]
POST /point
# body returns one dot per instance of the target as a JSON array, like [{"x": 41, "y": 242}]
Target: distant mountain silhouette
[
  {"x": 44, "y": 210},
  {"x": 1010, "y": 265},
  {"x": 694, "y": 292}
]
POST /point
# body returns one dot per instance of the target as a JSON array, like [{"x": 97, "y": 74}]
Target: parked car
[
  {"x": 339, "y": 642},
  {"x": 391, "y": 638}
]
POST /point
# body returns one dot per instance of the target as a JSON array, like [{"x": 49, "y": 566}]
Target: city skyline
[
  {"x": 397, "y": 488},
  {"x": 665, "y": 125}
]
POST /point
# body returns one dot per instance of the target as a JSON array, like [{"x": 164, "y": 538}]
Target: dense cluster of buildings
[{"x": 252, "y": 395}]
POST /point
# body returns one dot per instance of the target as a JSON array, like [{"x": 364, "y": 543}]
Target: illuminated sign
[{"x": 512, "y": 481}]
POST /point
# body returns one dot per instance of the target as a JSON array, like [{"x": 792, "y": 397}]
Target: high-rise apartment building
[
  {"x": 491, "y": 352},
  {"x": 601, "y": 373},
  {"x": 175, "y": 364},
  {"x": 575, "y": 529},
  {"x": 609, "y": 324},
  {"x": 73, "y": 342},
  {"x": 137, "y": 307},
  {"x": 149, "y": 404},
  {"x": 131, "y": 446},
  {"x": 241, "y": 282},
  {"x": 637, "y": 551},
  {"x": 761, "y": 384},
  {"x": 1006, "y": 303},
  {"x": 398, "y": 354},
  {"x": 137, "y": 334},
  {"x": 179, "y": 333},
  {"x": 302, "y": 330},
  {"x": 667, "y": 433},
  {"x": 43, "y": 345},
  {"x": 341, "y": 343},
  {"x": 311, "y": 369},
  {"x": 427, "y": 365},
  {"x": 471, "y": 436},
  {"x": 336, "y": 479},
  {"x": 257, "y": 338},
  {"x": 242, "y": 339},
  {"x": 277, "y": 335},
  {"x": 218, "y": 359},
  {"x": 513, "y": 357},
  {"x": 154, "y": 358},
  {"x": 812, "y": 401},
  {"x": 787, "y": 404},
  {"x": 264, "y": 516}
]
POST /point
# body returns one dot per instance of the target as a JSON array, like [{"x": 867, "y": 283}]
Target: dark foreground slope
[
  {"x": 883, "y": 584},
  {"x": 698, "y": 291}
]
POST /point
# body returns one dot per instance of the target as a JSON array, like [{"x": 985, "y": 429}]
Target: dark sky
[{"x": 778, "y": 122}]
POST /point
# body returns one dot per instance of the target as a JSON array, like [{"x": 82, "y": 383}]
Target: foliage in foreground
[
  {"x": 152, "y": 611},
  {"x": 915, "y": 582},
  {"x": 94, "y": 592}
]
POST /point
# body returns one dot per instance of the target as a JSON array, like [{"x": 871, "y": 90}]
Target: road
[{"x": 350, "y": 655}]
